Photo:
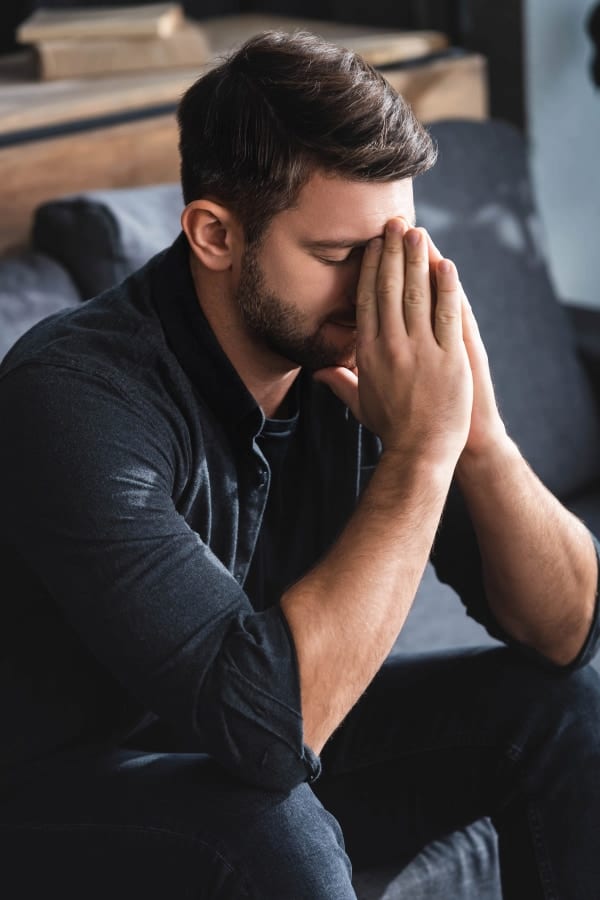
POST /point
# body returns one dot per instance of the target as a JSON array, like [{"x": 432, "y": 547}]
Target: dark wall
[
  {"x": 12, "y": 13},
  {"x": 496, "y": 30}
]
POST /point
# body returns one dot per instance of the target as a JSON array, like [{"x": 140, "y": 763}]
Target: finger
[
  {"x": 417, "y": 284},
  {"x": 367, "y": 316},
  {"x": 448, "y": 309},
  {"x": 434, "y": 254},
  {"x": 434, "y": 258},
  {"x": 344, "y": 384},
  {"x": 471, "y": 334},
  {"x": 469, "y": 330},
  {"x": 468, "y": 317},
  {"x": 390, "y": 279}
]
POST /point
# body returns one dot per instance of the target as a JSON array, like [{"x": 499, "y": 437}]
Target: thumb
[{"x": 344, "y": 384}]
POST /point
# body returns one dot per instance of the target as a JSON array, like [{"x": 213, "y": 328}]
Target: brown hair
[{"x": 253, "y": 129}]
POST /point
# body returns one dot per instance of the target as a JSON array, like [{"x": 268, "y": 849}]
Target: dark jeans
[{"x": 437, "y": 741}]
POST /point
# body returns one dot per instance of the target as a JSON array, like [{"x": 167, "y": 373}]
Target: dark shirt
[
  {"x": 286, "y": 536},
  {"x": 134, "y": 480}
]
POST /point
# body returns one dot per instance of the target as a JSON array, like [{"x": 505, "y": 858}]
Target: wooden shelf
[{"x": 67, "y": 136}]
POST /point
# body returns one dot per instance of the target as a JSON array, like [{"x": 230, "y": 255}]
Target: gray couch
[{"x": 545, "y": 359}]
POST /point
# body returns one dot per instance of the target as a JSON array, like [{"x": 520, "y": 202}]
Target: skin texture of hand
[
  {"x": 414, "y": 386},
  {"x": 487, "y": 431}
]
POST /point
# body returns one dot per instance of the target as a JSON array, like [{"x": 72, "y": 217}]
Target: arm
[
  {"x": 415, "y": 392},
  {"x": 539, "y": 562},
  {"x": 95, "y": 481}
]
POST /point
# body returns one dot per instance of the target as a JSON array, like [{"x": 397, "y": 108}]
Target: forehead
[{"x": 332, "y": 208}]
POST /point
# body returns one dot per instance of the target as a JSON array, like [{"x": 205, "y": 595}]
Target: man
[{"x": 222, "y": 481}]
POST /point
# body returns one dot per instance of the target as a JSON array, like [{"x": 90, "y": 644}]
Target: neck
[{"x": 267, "y": 376}]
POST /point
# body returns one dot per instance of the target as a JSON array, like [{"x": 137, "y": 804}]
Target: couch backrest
[
  {"x": 477, "y": 204},
  {"x": 32, "y": 286}
]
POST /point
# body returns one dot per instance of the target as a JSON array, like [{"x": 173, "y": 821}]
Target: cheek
[
  {"x": 305, "y": 282},
  {"x": 326, "y": 288}
]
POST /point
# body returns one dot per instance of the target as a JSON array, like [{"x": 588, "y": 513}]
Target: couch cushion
[
  {"x": 587, "y": 508},
  {"x": 437, "y": 620},
  {"x": 32, "y": 286},
  {"x": 103, "y": 236},
  {"x": 466, "y": 859},
  {"x": 477, "y": 204}
]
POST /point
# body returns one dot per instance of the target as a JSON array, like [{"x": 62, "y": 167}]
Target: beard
[{"x": 282, "y": 327}]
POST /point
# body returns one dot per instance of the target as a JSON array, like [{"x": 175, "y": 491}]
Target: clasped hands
[{"x": 422, "y": 381}]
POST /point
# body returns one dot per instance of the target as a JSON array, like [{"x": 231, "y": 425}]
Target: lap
[{"x": 426, "y": 750}]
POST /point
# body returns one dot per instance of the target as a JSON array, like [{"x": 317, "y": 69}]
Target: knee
[
  {"x": 295, "y": 849},
  {"x": 563, "y": 704}
]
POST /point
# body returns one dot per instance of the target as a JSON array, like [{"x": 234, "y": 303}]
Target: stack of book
[{"x": 73, "y": 42}]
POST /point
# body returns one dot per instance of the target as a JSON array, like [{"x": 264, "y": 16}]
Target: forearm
[
  {"x": 539, "y": 562},
  {"x": 346, "y": 613}
]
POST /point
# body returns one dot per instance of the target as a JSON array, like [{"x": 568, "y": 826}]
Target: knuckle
[
  {"x": 388, "y": 288},
  {"x": 395, "y": 247},
  {"x": 364, "y": 300},
  {"x": 369, "y": 265},
  {"x": 413, "y": 296},
  {"x": 418, "y": 261},
  {"x": 446, "y": 316}
]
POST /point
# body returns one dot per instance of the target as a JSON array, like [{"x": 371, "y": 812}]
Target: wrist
[
  {"x": 400, "y": 465},
  {"x": 494, "y": 461}
]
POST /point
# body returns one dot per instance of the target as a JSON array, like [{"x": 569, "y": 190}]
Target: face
[{"x": 297, "y": 290}]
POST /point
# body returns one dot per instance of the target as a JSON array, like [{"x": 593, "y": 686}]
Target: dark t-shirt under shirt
[{"x": 287, "y": 529}]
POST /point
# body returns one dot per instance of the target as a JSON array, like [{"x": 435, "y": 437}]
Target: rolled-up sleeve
[
  {"x": 457, "y": 561},
  {"x": 88, "y": 475}
]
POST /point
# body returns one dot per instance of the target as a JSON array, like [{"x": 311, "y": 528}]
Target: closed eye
[
  {"x": 329, "y": 261},
  {"x": 333, "y": 262}
]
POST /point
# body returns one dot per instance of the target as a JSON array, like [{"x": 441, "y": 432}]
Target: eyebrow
[{"x": 344, "y": 243}]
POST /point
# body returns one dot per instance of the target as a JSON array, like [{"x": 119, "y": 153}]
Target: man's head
[
  {"x": 294, "y": 153},
  {"x": 254, "y": 129}
]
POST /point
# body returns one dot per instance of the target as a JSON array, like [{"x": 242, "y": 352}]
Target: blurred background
[{"x": 539, "y": 58}]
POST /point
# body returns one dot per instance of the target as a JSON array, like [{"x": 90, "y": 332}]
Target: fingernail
[
  {"x": 413, "y": 238},
  {"x": 445, "y": 266}
]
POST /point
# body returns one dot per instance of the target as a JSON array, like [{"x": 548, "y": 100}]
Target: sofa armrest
[{"x": 585, "y": 322}]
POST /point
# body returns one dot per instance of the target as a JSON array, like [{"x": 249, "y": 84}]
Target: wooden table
[{"x": 68, "y": 136}]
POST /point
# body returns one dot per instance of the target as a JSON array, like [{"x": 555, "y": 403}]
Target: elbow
[
  {"x": 255, "y": 742},
  {"x": 247, "y": 711}
]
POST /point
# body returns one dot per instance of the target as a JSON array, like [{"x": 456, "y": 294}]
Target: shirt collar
[{"x": 195, "y": 345}]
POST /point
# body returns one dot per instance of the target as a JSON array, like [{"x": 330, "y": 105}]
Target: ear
[{"x": 213, "y": 234}]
